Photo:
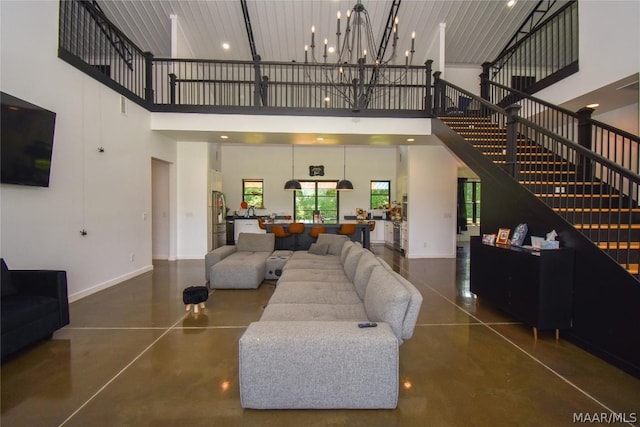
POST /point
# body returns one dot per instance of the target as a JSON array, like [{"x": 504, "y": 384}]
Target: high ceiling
[{"x": 476, "y": 30}]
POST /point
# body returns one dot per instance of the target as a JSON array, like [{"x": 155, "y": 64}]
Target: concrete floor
[{"x": 132, "y": 357}]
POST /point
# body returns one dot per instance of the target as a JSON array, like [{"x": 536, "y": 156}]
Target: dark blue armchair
[{"x": 34, "y": 304}]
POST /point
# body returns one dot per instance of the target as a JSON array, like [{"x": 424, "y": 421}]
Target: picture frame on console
[{"x": 503, "y": 236}]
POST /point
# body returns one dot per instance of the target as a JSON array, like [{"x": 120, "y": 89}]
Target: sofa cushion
[
  {"x": 256, "y": 242},
  {"x": 351, "y": 262},
  {"x": 291, "y": 293},
  {"x": 241, "y": 270},
  {"x": 386, "y": 300},
  {"x": 335, "y": 242},
  {"x": 318, "y": 249},
  {"x": 345, "y": 251},
  {"x": 20, "y": 310},
  {"x": 363, "y": 272},
  {"x": 6, "y": 286},
  {"x": 334, "y": 312},
  {"x": 415, "y": 302},
  {"x": 319, "y": 274}
]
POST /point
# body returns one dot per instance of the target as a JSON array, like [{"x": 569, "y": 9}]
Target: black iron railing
[
  {"x": 590, "y": 190},
  {"x": 547, "y": 54},
  {"x": 89, "y": 41},
  {"x": 614, "y": 144},
  {"x": 284, "y": 85}
]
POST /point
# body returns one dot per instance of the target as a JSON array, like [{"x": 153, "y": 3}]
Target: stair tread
[
  {"x": 573, "y": 195},
  {"x": 560, "y": 184},
  {"x": 607, "y": 226},
  {"x": 610, "y": 210},
  {"x": 619, "y": 245}
]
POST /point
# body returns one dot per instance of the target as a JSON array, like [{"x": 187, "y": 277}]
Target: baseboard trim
[{"x": 105, "y": 285}]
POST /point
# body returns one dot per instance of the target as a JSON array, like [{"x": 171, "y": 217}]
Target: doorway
[{"x": 160, "y": 210}]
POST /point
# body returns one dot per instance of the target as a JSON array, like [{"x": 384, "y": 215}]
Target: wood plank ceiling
[{"x": 476, "y": 30}]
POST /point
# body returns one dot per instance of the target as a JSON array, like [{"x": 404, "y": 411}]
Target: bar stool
[
  {"x": 280, "y": 233},
  {"x": 347, "y": 229},
  {"x": 317, "y": 230},
  {"x": 296, "y": 228}
]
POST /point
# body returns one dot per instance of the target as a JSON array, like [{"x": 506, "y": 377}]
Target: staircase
[{"x": 593, "y": 207}]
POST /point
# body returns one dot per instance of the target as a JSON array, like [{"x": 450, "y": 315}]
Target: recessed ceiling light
[
  {"x": 511, "y": 3},
  {"x": 593, "y": 105},
  {"x": 225, "y": 46},
  {"x": 410, "y": 139},
  {"x": 332, "y": 49},
  {"x": 224, "y": 137},
  {"x": 319, "y": 138}
]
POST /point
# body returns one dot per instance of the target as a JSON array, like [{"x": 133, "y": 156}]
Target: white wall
[
  {"x": 273, "y": 164},
  {"x": 108, "y": 194},
  {"x": 161, "y": 209},
  {"x": 465, "y": 76},
  {"x": 192, "y": 180},
  {"x": 432, "y": 192}
]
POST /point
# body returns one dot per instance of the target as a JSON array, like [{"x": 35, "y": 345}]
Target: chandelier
[{"x": 361, "y": 65}]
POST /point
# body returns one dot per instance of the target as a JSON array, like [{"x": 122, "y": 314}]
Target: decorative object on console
[
  {"x": 489, "y": 239},
  {"x": 503, "y": 236},
  {"x": 519, "y": 233}
]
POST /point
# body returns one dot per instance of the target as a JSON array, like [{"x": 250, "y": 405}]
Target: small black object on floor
[{"x": 195, "y": 296}]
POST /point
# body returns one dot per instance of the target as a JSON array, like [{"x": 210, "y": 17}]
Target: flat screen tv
[{"x": 26, "y": 142}]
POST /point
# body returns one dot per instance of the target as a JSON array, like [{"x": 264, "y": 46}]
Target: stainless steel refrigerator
[{"x": 218, "y": 220}]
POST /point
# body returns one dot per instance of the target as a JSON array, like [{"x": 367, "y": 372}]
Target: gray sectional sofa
[
  {"x": 307, "y": 350},
  {"x": 240, "y": 266}
]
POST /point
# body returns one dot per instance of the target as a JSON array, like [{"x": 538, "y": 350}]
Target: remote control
[{"x": 367, "y": 325}]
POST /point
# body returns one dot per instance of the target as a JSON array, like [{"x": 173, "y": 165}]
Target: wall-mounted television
[{"x": 26, "y": 142}]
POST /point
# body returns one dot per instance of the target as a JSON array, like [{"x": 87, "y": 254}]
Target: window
[
  {"x": 252, "y": 192},
  {"x": 380, "y": 194},
  {"x": 316, "y": 196},
  {"x": 472, "y": 201}
]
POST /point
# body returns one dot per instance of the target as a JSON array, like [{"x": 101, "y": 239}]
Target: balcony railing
[
  {"x": 286, "y": 85},
  {"x": 547, "y": 54},
  {"x": 89, "y": 41}
]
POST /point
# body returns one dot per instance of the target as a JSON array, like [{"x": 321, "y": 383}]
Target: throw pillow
[
  {"x": 6, "y": 287},
  {"x": 318, "y": 249},
  {"x": 335, "y": 242}
]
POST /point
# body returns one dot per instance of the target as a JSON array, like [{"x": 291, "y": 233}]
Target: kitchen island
[{"x": 361, "y": 235}]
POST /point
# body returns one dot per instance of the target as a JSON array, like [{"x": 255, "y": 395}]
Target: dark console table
[{"x": 536, "y": 287}]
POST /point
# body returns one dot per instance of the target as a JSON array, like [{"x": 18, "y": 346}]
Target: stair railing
[
  {"x": 615, "y": 144},
  {"x": 554, "y": 167}
]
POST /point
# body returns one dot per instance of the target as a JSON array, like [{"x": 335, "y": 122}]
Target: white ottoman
[{"x": 275, "y": 263}]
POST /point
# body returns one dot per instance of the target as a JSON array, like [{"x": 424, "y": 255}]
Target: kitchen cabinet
[
  {"x": 388, "y": 233},
  {"x": 246, "y": 226},
  {"x": 404, "y": 236},
  {"x": 378, "y": 234},
  {"x": 535, "y": 287}
]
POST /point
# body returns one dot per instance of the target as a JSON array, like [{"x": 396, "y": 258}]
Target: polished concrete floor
[{"x": 132, "y": 357}]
